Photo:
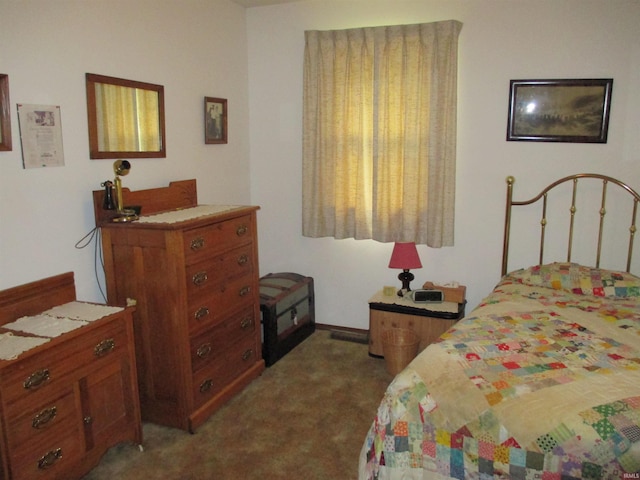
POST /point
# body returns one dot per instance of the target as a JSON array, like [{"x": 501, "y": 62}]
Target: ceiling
[{"x": 260, "y": 3}]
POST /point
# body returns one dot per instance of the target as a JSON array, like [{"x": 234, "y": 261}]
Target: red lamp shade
[{"x": 405, "y": 256}]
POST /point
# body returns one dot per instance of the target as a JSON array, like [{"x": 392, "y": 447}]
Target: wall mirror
[
  {"x": 5, "y": 114},
  {"x": 126, "y": 118}
]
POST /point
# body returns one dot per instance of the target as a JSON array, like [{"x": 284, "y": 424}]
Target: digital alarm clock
[{"x": 427, "y": 296}]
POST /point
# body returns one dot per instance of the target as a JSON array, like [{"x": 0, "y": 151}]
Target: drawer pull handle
[
  {"x": 246, "y": 323},
  {"x": 247, "y": 355},
  {"x": 242, "y": 229},
  {"x": 49, "y": 458},
  {"x": 201, "y": 313},
  {"x": 36, "y": 379},
  {"x": 244, "y": 291},
  {"x": 203, "y": 350},
  {"x": 104, "y": 347},
  {"x": 197, "y": 243},
  {"x": 242, "y": 259},
  {"x": 199, "y": 278},
  {"x": 44, "y": 417},
  {"x": 206, "y": 385},
  {"x": 88, "y": 420}
]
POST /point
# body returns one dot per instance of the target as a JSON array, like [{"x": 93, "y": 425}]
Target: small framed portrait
[
  {"x": 215, "y": 120},
  {"x": 572, "y": 110}
]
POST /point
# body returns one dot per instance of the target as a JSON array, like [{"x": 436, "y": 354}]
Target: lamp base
[{"x": 405, "y": 277}]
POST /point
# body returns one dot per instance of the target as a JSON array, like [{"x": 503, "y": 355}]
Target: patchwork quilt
[{"x": 541, "y": 381}]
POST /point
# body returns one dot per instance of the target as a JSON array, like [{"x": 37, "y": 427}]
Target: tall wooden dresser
[
  {"x": 193, "y": 273},
  {"x": 68, "y": 389}
]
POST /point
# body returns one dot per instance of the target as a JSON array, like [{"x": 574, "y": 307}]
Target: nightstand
[{"x": 428, "y": 320}]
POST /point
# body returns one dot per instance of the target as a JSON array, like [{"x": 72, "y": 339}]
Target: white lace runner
[
  {"x": 184, "y": 214},
  {"x": 44, "y": 325},
  {"x": 82, "y": 311},
  {"x": 12, "y": 345},
  {"x": 50, "y": 324}
]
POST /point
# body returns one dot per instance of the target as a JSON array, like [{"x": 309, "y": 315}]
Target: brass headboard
[{"x": 635, "y": 198}]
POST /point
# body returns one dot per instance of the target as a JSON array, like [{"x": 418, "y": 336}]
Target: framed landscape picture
[
  {"x": 215, "y": 120},
  {"x": 573, "y": 110}
]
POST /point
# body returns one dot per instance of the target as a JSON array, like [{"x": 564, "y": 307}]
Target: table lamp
[{"x": 405, "y": 256}]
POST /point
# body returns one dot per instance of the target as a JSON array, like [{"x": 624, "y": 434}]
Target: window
[{"x": 380, "y": 132}]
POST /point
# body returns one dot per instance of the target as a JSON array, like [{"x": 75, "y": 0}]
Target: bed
[{"x": 541, "y": 380}]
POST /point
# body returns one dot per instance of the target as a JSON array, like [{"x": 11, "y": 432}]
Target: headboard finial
[{"x": 511, "y": 180}]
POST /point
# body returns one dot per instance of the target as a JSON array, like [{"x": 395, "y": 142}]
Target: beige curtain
[
  {"x": 128, "y": 119},
  {"x": 380, "y": 132}
]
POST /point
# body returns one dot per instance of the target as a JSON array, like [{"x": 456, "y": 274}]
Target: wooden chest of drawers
[
  {"x": 195, "y": 282},
  {"x": 64, "y": 402}
]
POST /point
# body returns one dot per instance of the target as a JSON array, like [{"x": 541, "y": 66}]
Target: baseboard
[
  {"x": 347, "y": 334},
  {"x": 324, "y": 326}
]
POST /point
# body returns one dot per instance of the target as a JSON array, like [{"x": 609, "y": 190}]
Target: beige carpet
[{"x": 306, "y": 418}]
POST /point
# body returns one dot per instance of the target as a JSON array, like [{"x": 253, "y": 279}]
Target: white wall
[
  {"x": 500, "y": 40},
  {"x": 195, "y": 48}
]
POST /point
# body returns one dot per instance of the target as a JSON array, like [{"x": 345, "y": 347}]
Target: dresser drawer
[
  {"x": 54, "y": 416},
  {"x": 211, "y": 308},
  {"x": 203, "y": 276},
  {"x": 41, "y": 372},
  {"x": 204, "y": 242},
  {"x": 47, "y": 462},
  {"x": 213, "y": 343},
  {"x": 208, "y": 381}
]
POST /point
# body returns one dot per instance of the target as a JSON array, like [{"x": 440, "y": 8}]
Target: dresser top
[
  {"x": 181, "y": 218},
  {"x": 31, "y": 331}
]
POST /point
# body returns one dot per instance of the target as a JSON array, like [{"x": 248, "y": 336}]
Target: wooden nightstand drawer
[{"x": 202, "y": 243}]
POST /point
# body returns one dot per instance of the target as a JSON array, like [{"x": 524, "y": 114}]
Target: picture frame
[
  {"x": 215, "y": 120},
  {"x": 5, "y": 116},
  {"x": 565, "y": 110}
]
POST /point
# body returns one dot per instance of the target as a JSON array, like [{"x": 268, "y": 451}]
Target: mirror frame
[
  {"x": 94, "y": 152},
  {"x": 5, "y": 114}
]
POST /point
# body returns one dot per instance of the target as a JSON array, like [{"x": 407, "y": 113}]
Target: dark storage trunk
[{"x": 287, "y": 313}]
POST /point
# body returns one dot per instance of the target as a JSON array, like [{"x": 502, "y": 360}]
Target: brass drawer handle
[
  {"x": 49, "y": 458},
  {"x": 246, "y": 323},
  {"x": 201, "y": 313},
  {"x": 203, "y": 350},
  {"x": 36, "y": 379},
  {"x": 244, "y": 291},
  {"x": 242, "y": 259},
  {"x": 197, "y": 243},
  {"x": 104, "y": 347},
  {"x": 44, "y": 417},
  {"x": 241, "y": 230},
  {"x": 206, "y": 385},
  {"x": 247, "y": 355},
  {"x": 199, "y": 278}
]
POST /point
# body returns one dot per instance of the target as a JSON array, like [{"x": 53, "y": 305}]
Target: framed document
[{"x": 40, "y": 136}]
